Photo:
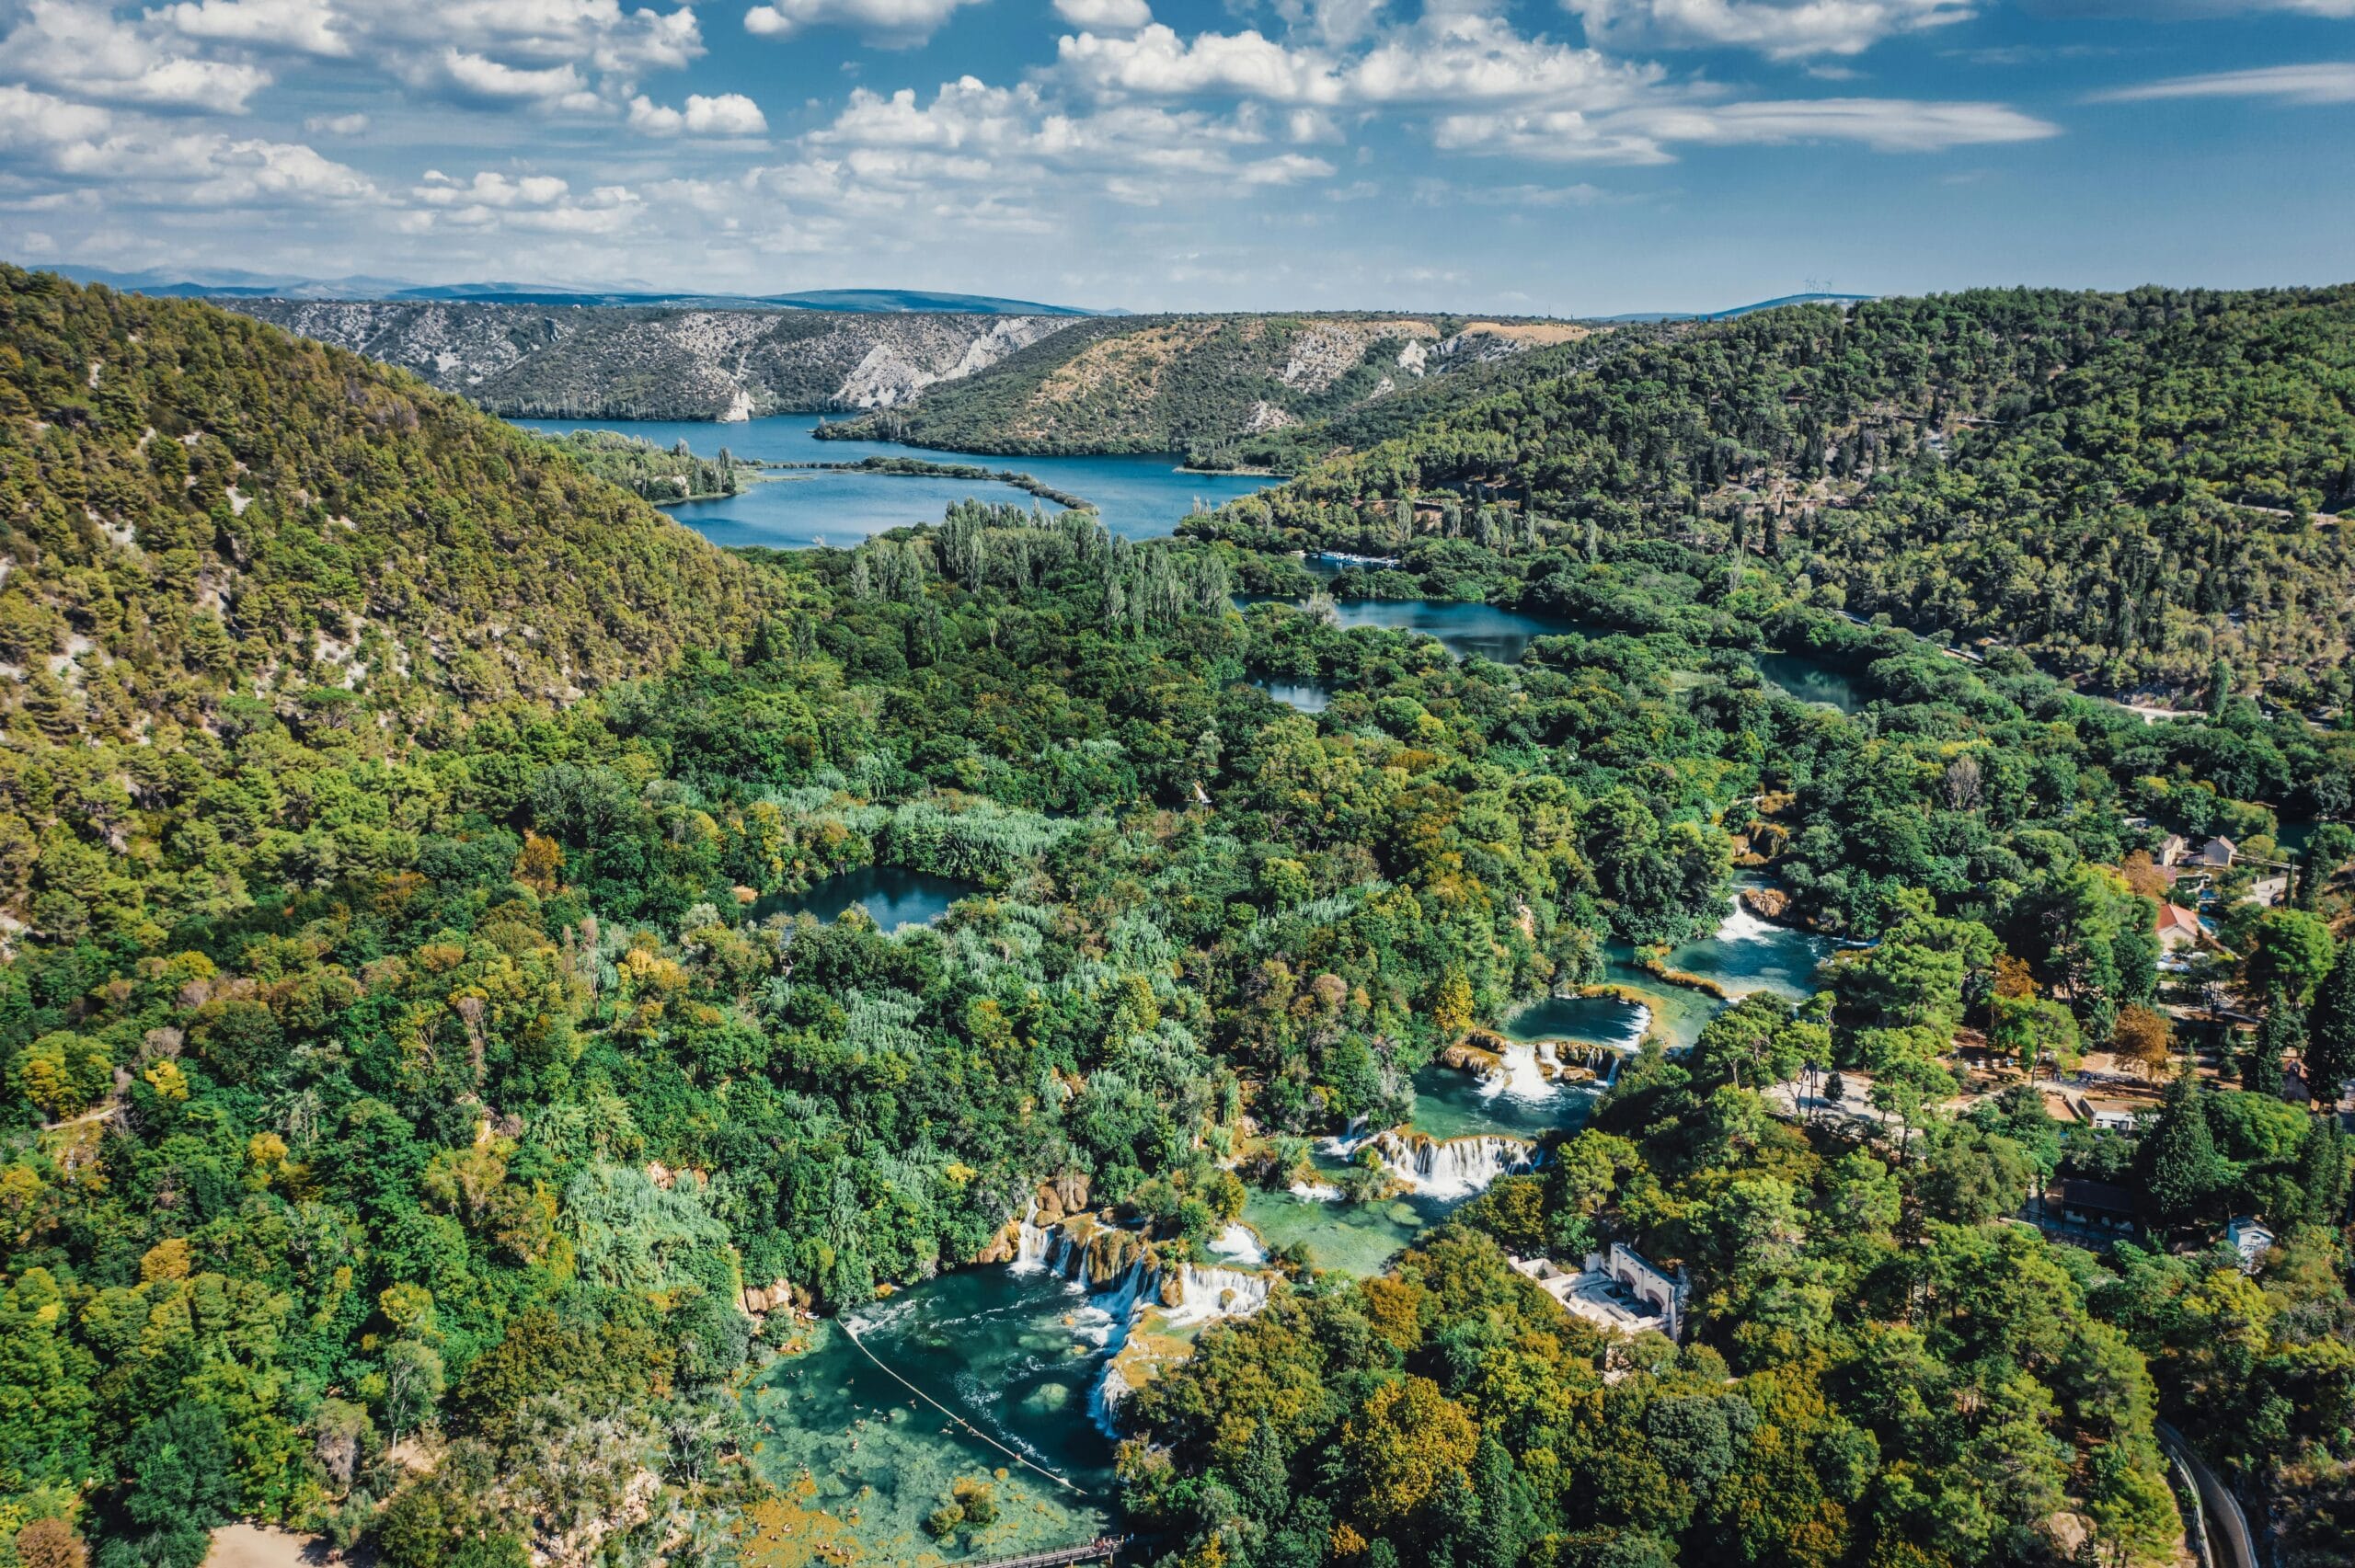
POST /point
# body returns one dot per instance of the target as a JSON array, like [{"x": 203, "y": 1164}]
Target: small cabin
[{"x": 2217, "y": 851}]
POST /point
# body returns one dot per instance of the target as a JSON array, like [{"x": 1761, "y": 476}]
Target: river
[
  {"x": 1469, "y": 627},
  {"x": 1138, "y": 497}
]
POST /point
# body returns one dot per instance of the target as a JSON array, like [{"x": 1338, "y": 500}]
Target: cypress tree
[
  {"x": 2177, "y": 1162},
  {"x": 2281, "y": 1035},
  {"x": 2330, "y": 1032},
  {"x": 2322, "y": 1172}
]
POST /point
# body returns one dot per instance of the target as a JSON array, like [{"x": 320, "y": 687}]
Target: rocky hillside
[
  {"x": 1214, "y": 386},
  {"x": 559, "y": 361}
]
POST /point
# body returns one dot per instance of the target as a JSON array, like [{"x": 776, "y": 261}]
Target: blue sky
[{"x": 1564, "y": 156}]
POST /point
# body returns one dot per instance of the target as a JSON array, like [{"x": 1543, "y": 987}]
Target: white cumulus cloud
[
  {"x": 897, "y": 21},
  {"x": 84, "y": 51},
  {"x": 305, "y": 27},
  {"x": 1105, "y": 16},
  {"x": 730, "y": 114}
]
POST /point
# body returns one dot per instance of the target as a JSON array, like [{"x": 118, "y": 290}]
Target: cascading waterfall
[
  {"x": 1207, "y": 1293},
  {"x": 1456, "y": 1167},
  {"x": 1239, "y": 1242},
  {"x": 1743, "y": 926},
  {"x": 1519, "y": 1075},
  {"x": 1030, "y": 1250},
  {"x": 1195, "y": 1294}
]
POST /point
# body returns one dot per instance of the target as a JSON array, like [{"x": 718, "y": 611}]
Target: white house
[
  {"x": 2250, "y": 1240},
  {"x": 2216, "y": 851}
]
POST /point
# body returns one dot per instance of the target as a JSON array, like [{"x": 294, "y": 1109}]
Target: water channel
[{"x": 1139, "y": 497}]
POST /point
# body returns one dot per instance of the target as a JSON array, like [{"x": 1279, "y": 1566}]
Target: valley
[{"x": 867, "y": 1017}]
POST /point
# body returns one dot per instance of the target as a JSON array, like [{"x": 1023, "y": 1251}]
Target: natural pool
[
  {"x": 866, "y": 1462},
  {"x": 892, "y": 897},
  {"x": 1138, "y": 497}
]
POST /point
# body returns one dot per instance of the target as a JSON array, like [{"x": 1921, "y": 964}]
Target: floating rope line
[{"x": 852, "y": 1334}]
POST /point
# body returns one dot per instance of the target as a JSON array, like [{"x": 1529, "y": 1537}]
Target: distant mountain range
[
  {"x": 230, "y": 284},
  {"x": 1741, "y": 310},
  {"x": 224, "y": 283}
]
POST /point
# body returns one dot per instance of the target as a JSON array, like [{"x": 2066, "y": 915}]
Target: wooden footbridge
[{"x": 1101, "y": 1549}]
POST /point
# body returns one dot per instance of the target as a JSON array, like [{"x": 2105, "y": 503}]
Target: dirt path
[{"x": 260, "y": 1546}]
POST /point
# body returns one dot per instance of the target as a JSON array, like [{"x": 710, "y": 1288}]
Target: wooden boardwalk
[{"x": 1102, "y": 1548}]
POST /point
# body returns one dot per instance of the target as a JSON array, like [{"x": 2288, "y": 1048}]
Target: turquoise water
[
  {"x": 1591, "y": 1020},
  {"x": 1450, "y": 1103},
  {"x": 1746, "y": 954},
  {"x": 1139, "y": 497},
  {"x": 1809, "y": 680},
  {"x": 1016, "y": 1355},
  {"x": 892, "y": 896},
  {"x": 1464, "y": 629}
]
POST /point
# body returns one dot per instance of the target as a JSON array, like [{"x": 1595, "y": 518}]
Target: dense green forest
[
  {"x": 2134, "y": 489},
  {"x": 658, "y": 474},
  {"x": 401, "y": 1090}
]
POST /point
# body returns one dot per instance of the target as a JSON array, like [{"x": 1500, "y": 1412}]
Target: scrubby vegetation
[
  {"x": 658, "y": 474},
  {"x": 1201, "y": 384}
]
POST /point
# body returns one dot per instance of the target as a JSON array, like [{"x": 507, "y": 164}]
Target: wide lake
[{"x": 1139, "y": 497}]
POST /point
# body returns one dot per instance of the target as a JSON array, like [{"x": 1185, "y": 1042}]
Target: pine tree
[
  {"x": 2282, "y": 1034},
  {"x": 2322, "y": 1172},
  {"x": 1497, "y": 1530},
  {"x": 2179, "y": 1157},
  {"x": 2330, "y": 1032}
]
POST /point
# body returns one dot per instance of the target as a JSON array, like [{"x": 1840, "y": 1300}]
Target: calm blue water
[
  {"x": 1140, "y": 498},
  {"x": 1308, "y": 696},
  {"x": 1809, "y": 680},
  {"x": 1464, "y": 629},
  {"x": 892, "y": 896}
]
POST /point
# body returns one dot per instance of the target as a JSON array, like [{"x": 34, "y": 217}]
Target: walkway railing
[{"x": 1102, "y": 1547}]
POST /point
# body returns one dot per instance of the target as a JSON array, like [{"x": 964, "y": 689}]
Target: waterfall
[
  {"x": 1238, "y": 1242},
  {"x": 1519, "y": 1075},
  {"x": 1740, "y": 926},
  {"x": 1125, "y": 1284},
  {"x": 1315, "y": 1192},
  {"x": 1207, "y": 1293},
  {"x": 1030, "y": 1250},
  {"x": 1457, "y": 1167}
]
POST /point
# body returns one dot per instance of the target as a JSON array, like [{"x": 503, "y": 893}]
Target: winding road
[{"x": 2229, "y": 1542}]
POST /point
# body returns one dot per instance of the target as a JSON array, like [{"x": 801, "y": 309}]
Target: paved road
[{"x": 2229, "y": 1542}]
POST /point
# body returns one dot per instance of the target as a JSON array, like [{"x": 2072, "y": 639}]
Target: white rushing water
[
  {"x": 1520, "y": 1076},
  {"x": 1740, "y": 926},
  {"x": 1237, "y": 1241},
  {"x": 1455, "y": 1168},
  {"x": 1197, "y": 1294},
  {"x": 1030, "y": 1251}
]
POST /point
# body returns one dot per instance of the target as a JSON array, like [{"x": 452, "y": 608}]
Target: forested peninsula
[{"x": 418, "y": 1134}]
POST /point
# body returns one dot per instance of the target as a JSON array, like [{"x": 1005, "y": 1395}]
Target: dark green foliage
[
  {"x": 2151, "y": 463},
  {"x": 2178, "y": 1168}
]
